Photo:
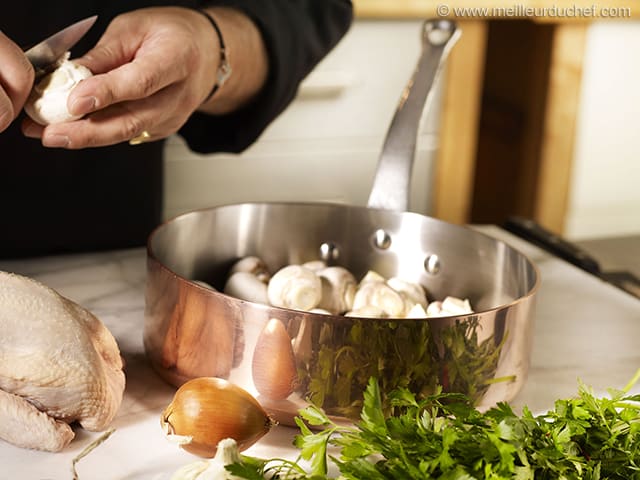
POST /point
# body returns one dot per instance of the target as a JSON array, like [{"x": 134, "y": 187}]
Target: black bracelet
[{"x": 224, "y": 68}]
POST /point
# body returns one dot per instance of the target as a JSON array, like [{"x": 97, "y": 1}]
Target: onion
[{"x": 206, "y": 410}]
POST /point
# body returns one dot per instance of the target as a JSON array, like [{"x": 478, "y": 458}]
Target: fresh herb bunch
[
  {"x": 443, "y": 436},
  {"x": 406, "y": 354}
]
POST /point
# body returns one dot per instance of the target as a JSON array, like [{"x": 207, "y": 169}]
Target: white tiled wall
[
  {"x": 325, "y": 146},
  {"x": 605, "y": 192}
]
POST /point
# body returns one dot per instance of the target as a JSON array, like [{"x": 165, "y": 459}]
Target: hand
[
  {"x": 153, "y": 67},
  {"x": 16, "y": 80}
]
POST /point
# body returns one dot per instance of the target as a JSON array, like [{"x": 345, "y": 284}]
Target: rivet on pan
[
  {"x": 381, "y": 239},
  {"x": 432, "y": 264},
  {"x": 329, "y": 252}
]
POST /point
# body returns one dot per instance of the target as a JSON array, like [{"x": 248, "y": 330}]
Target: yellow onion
[{"x": 206, "y": 410}]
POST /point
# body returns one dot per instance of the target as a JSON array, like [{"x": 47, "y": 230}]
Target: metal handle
[{"x": 393, "y": 175}]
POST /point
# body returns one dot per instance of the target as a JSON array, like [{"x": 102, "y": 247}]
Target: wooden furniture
[{"x": 510, "y": 106}]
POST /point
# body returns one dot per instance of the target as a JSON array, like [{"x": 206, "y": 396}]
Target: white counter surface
[{"x": 584, "y": 329}]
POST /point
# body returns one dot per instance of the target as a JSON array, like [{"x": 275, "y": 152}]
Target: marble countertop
[{"x": 584, "y": 329}]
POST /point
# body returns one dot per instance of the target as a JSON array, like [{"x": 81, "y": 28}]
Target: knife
[
  {"x": 46, "y": 54},
  {"x": 533, "y": 232}
]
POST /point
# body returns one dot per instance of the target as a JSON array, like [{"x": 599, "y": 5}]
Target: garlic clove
[
  {"x": 412, "y": 291},
  {"x": 252, "y": 265},
  {"x": 246, "y": 286},
  {"x": 227, "y": 453},
  {"x": 206, "y": 410},
  {"x": 381, "y": 295},
  {"x": 338, "y": 289},
  {"x": 47, "y": 102},
  {"x": 295, "y": 287},
  {"x": 274, "y": 365}
]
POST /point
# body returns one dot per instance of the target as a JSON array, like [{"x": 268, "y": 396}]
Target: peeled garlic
[
  {"x": 295, "y": 287},
  {"x": 226, "y": 454},
  {"x": 206, "y": 410},
  {"x": 47, "y": 102}
]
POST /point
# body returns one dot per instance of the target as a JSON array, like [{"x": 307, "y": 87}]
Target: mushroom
[
  {"x": 381, "y": 295},
  {"x": 295, "y": 287},
  {"x": 371, "y": 276},
  {"x": 367, "y": 311},
  {"x": 417, "y": 311},
  {"x": 47, "y": 102},
  {"x": 448, "y": 307},
  {"x": 246, "y": 286},
  {"x": 315, "y": 265},
  {"x": 252, "y": 265},
  {"x": 413, "y": 293},
  {"x": 338, "y": 289}
]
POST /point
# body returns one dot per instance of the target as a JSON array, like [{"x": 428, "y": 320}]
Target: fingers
[
  {"x": 117, "y": 123},
  {"x": 16, "y": 80}
]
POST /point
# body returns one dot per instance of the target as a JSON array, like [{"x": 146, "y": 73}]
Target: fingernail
[
  {"x": 83, "y": 105},
  {"x": 55, "y": 141},
  {"x": 32, "y": 131}
]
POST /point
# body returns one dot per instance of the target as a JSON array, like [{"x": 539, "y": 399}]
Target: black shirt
[{"x": 55, "y": 200}]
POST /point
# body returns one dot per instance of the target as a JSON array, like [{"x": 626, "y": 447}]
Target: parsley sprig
[{"x": 444, "y": 436}]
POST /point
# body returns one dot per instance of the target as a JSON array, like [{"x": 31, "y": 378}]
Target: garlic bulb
[
  {"x": 206, "y": 410},
  {"x": 226, "y": 454},
  {"x": 47, "y": 102},
  {"x": 295, "y": 287}
]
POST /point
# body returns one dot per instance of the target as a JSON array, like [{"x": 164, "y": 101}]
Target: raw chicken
[{"x": 58, "y": 364}]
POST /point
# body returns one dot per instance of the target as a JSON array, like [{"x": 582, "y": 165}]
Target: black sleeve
[{"x": 297, "y": 35}]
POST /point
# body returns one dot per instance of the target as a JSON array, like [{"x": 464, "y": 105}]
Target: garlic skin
[
  {"x": 295, "y": 287},
  {"x": 227, "y": 454},
  {"x": 47, "y": 102}
]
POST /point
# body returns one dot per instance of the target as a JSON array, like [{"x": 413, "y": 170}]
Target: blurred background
[{"x": 536, "y": 116}]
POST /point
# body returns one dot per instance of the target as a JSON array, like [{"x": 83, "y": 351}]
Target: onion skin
[{"x": 206, "y": 410}]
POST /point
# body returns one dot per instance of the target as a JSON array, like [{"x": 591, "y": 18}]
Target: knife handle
[{"x": 538, "y": 235}]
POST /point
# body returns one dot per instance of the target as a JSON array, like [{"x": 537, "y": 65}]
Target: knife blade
[
  {"x": 47, "y": 53},
  {"x": 533, "y": 232}
]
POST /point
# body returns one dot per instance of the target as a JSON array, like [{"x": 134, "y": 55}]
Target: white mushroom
[
  {"x": 315, "y": 265},
  {"x": 381, "y": 295},
  {"x": 413, "y": 293},
  {"x": 371, "y": 276},
  {"x": 295, "y": 287},
  {"x": 246, "y": 286},
  {"x": 204, "y": 284},
  {"x": 47, "y": 102},
  {"x": 417, "y": 311},
  {"x": 252, "y": 265},
  {"x": 456, "y": 306},
  {"x": 434, "y": 309},
  {"x": 368, "y": 311},
  {"x": 338, "y": 289}
]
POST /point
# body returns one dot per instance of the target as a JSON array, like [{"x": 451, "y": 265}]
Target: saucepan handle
[{"x": 393, "y": 175}]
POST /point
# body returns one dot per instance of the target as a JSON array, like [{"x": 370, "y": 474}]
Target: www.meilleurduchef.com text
[{"x": 527, "y": 11}]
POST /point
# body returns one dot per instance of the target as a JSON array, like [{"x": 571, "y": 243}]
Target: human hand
[
  {"x": 16, "y": 80},
  {"x": 152, "y": 68}
]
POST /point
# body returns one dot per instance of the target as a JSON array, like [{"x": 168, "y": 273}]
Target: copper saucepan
[{"x": 287, "y": 357}]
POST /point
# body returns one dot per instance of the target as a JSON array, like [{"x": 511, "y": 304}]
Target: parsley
[
  {"x": 444, "y": 436},
  {"x": 410, "y": 354}
]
